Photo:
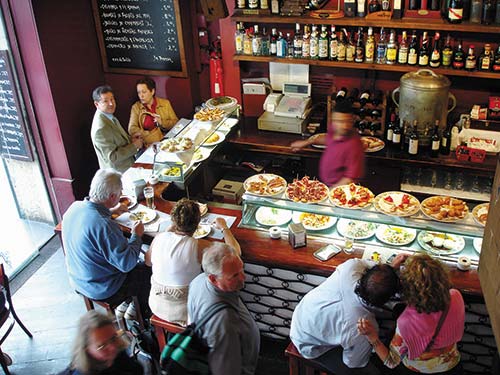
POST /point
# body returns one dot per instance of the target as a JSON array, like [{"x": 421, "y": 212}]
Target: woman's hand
[
  {"x": 366, "y": 328},
  {"x": 220, "y": 223}
]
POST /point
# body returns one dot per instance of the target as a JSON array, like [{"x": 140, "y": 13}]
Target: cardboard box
[{"x": 228, "y": 191}]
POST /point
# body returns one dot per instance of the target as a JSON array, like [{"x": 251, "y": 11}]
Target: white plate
[
  {"x": 261, "y": 181},
  {"x": 459, "y": 242},
  {"x": 203, "y": 230},
  {"x": 477, "y": 243},
  {"x": 358, "y": 230},
  {"x": 380, "y": 144},
  {"x": 394, "y": 208},
  {"x": 321, "y": 147},
  {"x": 204, "y": 154},
  {"x": 221, "y": 139},
  {"x": 393, "y": 235},
  {"x": 272, "y": 216},
  {"x": 479, "y": 210},
  {"x": 132, "y": 202},
  {"x": 175, "y": 144},
  {"x": 329, "y": 221},
  {"x": 146, "y": 215}
]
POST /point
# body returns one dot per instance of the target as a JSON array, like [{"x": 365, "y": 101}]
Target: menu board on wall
[
  {"x": 141, "y": 36},
  {"x": 14, "y": 142}
]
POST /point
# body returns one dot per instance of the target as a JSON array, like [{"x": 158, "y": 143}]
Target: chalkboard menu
[
  {"x": 14, "y": 142},
  {"x": 141, "y": 36}
]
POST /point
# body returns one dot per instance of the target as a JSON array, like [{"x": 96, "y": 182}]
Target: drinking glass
[
  {"x": 348, "y": 244},
  {"x": 149, "y": 195}
]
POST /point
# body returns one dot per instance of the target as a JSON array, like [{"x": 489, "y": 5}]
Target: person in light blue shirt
[
  {"x": 102, "y": 263},
  {"x": 324, "y": 323}
]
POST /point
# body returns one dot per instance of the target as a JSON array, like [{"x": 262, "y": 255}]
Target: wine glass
[{"x": 156, "y": 150}]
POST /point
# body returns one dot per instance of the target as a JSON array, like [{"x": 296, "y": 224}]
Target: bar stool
[
  {"x": 299, "y": 365},
  {"x": 163, "y": 328}
]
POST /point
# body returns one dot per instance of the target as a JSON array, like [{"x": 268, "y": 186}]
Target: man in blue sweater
[{"x": 102, "y": 263}]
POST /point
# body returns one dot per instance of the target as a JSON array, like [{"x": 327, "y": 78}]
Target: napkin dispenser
[{"x": 139, "y": 186}]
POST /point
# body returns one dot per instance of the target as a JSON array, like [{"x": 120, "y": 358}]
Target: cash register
[{"x": 287, "y": 112}]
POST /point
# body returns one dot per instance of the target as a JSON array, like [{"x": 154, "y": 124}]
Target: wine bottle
[
  {"x": 423, "y": 56},
  {"x": 396, "y": 136},
  {"x": 488, "y": 12},
  {"x": 403, "y": 49},
  {"x": 341, "y": 46},
  {"x": 378, "y": 98},
  {"x": 447, "y": 53},
  {"x": 455, "y": 11},
  {"x": 370, "y": 46},
  {"x": 364, "y": 98},
  {"x": 297, "y": 42},
  {"x": 323, "y": 43},
  {"x": 496, "y": 61},
  {"x": 359, "y": 53},
  {"x": 350, "y": 48},
  {"x": 435, "y": 141},
  {"x": 390, "y": 130},
  {"x": 413, "y": 139},
  {"x": 471, "y": 59},
  {"x": 459, "y": 57},
  {"x": 273, "y": 46},
  {"x": 361, "y": 8},
  {"x": 435, "y": 60},
  {"x": 341, "y": 94},
  {"x": 413, "y": 49},
  {"x": 314, "y": 44},
  {"x": 444, "y": 149},
  {"x": 414, "y": 5},
  {"x": 353, "y": 96},
  {"x": 374, "y": 6},
  {"x": 306, "y": 43},
  {"x": 333, "y": 44}
]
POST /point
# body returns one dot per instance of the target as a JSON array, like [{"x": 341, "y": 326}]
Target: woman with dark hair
[
  {"x": 150, "y": 116},
  {"x": 175, "y": 257},
  {"x": 429, "y": 328}
]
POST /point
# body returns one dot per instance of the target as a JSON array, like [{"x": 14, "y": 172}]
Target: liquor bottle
[
  {"x": 364, "y": 98},
  {"x": 413, "y": 139},
  {"x": 405, "y": 136},
  {"x": 265, "y": 42},
  {"x": 455, "y": 11},
  {"x": 247, "y": 41},
  {"x": 238, "y": 38},
  {"x": 423, "y": 56},
  {"x": 381, "y": 48},
  {"x": 386, "y": 5},
  {"x": 323, "y": 43},
  {"x": 413, "y": 49},
  {"x": 361, "y": 8},
  {"x": 496, "y": 61},
  {"x": 306, "y": 43},
  {"x": 253, "y": 4},
  {"x": 378, "y": 98},
  {"x": 273, "y": 42},
  {"x": 471, "y": 59},
  {"x": 447, "y": 53},
  {"x": 275, "y": 6},
  {"x": 241, "y": 4},
  {"x": 281, "y": 46},
  {"x": 435, "y": 5},
  {"x": 289, "y": 46},
  {"x": 359, "y": 54},
  {"x": 444, "y": 148},
  {"x": 397, "y": 9},
  {"x": 353, "y": 96},
  {"x": 459, "y": 57},
  {"x": 264, "y": 4},
  {"x": 341, "y": 46},
  {"x": 435, "y": 141},
  {"x": 256, "y": 41},
  {"x": 374, "y": 6},
  {"x": 350, "y": 50},
  {"x": 390, "y": 130},
  {"x": 314, "y": 43},
  {"x": 486, "y": 58},
  {"x": 392, "y": 49},
  {"x": 488, "y": 13},
  {"x": 333, "y": 44},
  {"x": 297, "y": 42},
  {"x": 370, "y": 46},
  {"x": 341, "y": 95},
  {"x": 403, "y": 49},
  {"x": 475, "y": 11},
  {"x": 396, "y": 135},
  {"x": 414, "y": 5},
  {"x": 435, "y": 60}
]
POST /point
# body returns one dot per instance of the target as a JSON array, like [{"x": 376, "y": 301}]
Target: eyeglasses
[{"x": 119, "y": 335}]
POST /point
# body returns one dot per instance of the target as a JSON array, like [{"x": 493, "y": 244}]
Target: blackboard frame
[
  {"x": 180, "y": 39},
  {"x": 28, "y": 152}
]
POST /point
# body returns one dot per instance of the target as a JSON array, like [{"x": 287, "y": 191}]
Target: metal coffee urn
[{"x": 423, "y": 96}]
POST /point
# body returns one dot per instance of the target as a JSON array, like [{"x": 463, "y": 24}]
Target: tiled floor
[{"x": 50, "y": 309}]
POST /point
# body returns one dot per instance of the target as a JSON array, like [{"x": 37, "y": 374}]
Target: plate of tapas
[
  {"x": 372, "y": 144},
  {"x": 271, "y": 216},
  {"x": 265, "y": 184},
  {"x": 312, "y": 221},
  {"x": 209, "y": 114},
  {"x": 200, "y": 154},
  {"x": 214, "y": 139},
  {"x": 480, "y": 213},
  {"x": 144, "y": 214},
  {"x": 441, "y": 243},
  {"x": 393, "y": 235},
  {"x": 203, "y": 230},
  {"x": 444, "y": 209},
  {"x": 175, "y": 145},
  {"x": 396, "y": 203},
  {"x": 129, "y": 200},
  {"x": 351, "y": 196},
  {"x": 477, "y": 243},
  {"x": 356, "y": 229},
  {"x": 306, "y": 190}
]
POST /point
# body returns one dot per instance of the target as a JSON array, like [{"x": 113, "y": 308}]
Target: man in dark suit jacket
[{"x": 113, "y": 146}]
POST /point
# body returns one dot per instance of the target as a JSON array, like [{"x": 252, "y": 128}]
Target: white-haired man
[
  {"x": 102, "y": 263},
  {"x": 231, "y": 334}
]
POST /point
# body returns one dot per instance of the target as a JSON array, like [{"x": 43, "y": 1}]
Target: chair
[
  {"x": 4, "y": 282},
  {"x": 162, "y": 328},
  {"x": 300, "y": 365}
]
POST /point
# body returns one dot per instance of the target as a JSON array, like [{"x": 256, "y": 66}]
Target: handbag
[
  {"x": 186, "y": 352},
  {"x": 438, "y": 327}
]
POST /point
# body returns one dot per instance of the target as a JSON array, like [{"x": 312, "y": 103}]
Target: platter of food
[
  {"x": 203, "y": 230},
  {"x": 306, "y": 190},
  {"x": 265, "y": 184},
  {"x": 214, "y": 139},
  {"x": 351, "y": 196},
  {"x": 372, "y": 144},
  {"x": 480, "y": 213},
  {"x": 209, "y": 114},
  {"x": 226, "y": 103},
  {"x": 144, "y": 214},
  {"x": 356, "y": 229},
  {"x": 174, "y": 145},
  {"x": 441, "y": 243},
  {"x": 129, "y": 200},
  {"x": 477, "y": 243},
  {"x": 200, "y": 154},
  {"x": 272, "y": 216},
  {"x": 393, "y": 235},
  {"x": 396, "y": 203},
  {"x": 444, "y": 209},
  {"x": 313, "y": 221},
  {"x": 171, "y": 172}
]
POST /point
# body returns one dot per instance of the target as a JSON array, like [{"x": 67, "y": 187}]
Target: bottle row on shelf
[{"x": 317, "y": 42}]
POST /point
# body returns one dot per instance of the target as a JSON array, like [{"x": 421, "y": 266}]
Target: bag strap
[
  {"x": 438, "y": 327},
  {"x": 211, "y": 311}
]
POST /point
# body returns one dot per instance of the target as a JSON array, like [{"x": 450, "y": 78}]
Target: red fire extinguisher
[{"x": 216, "y": 72}]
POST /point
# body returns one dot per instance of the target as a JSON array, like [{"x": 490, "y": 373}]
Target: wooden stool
[
  {"x": 162, "y": 327},
  {"x": 299, "y": 365}
]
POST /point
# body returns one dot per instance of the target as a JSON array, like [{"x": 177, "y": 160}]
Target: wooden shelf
[
  {"x": 366, "y": 66},
  {"x": 404, "y": 23}
]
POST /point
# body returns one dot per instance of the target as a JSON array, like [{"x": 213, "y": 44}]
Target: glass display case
[{"x": 368, "y": 228}]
